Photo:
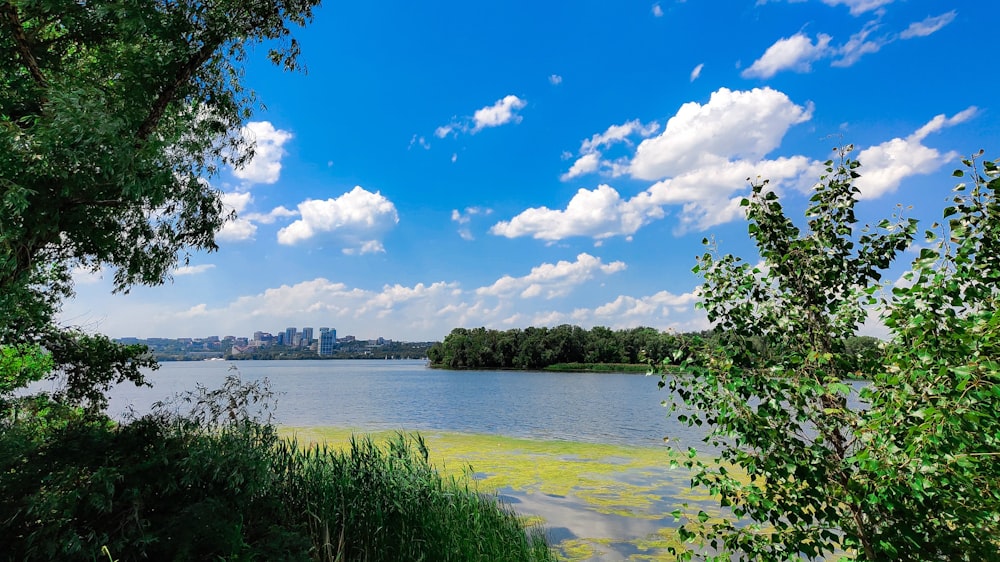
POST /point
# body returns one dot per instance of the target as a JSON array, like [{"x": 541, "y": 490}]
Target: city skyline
[{"x": 463, "y": 165}]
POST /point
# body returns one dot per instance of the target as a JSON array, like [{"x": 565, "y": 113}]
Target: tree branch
[
  {"x": 168, "y": 94},
  {"x": 9, "y": 14}
]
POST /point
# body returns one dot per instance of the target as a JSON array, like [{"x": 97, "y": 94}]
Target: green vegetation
[
  {"x": 572, "y": 348},
  {"x": 911, "y": 477},
  {"x": 537, "y": 348},
  {"x": 114, "y": 115},
  {"x": 217, "y": 483},
  {"x": 607, "y": 499}
]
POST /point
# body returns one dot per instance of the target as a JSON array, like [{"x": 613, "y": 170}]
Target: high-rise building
[
  {"x": 327, "y": 341},
  {"x": 307, "y": 336},
  {"x": 290, "y": 336}
]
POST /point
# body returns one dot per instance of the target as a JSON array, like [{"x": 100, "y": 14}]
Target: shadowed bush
[{"x": 169, "y": 488}]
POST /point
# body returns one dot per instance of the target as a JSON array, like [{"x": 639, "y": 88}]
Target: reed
[{"x": 160, "y": 488}]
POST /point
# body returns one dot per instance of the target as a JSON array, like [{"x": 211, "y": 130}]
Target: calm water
[{"x": 377, "y": 394}]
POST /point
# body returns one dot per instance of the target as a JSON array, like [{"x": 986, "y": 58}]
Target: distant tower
[
  {"x": 327, "y": 341},
  {"x": 290, "y": 336},
  {"x": 307, "y": 336}
]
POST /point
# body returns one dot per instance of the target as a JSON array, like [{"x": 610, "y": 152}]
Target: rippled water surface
[{"x": 379, "y": 394}]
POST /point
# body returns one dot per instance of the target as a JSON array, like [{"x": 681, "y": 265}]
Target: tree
[
  {"x": 913, "y": 476},
  {"x": 113, "y": 116}
]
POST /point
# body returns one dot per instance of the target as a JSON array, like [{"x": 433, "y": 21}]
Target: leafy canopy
[{"x": 113, "y": 114}]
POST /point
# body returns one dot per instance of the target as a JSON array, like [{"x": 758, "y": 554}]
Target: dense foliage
[
  {"x": 215, "y": 484},
  {"x": 113, "y": 114},
  {"x": 911, "y": 477},
  {"x": 569, "y": 348},
  {"x": 536, "y": 348}
]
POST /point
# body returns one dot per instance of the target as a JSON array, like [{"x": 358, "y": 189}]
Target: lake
[
  {"x": 581, "y": 453},
  {"x": 399, "y": 394}
]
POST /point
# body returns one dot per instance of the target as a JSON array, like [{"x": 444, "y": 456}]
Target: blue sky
[{"x": 461, "y": 164}]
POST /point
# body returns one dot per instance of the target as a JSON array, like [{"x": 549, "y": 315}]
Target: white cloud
[
  {"x": 928, "y": 25},
  {"x": 858, "y": 7},
  {"x": 365, "y": 247},
  {"x": 420, "y": 141},
  {"x": 590, "y": 159},
  {"x": 354, "y": 217},
  {"x": 240, "y": 228},
  {"x": 422, "y": 311},
  {"x": 733, "y": 124},
  {"x": 795, "y": 52},
  {"x": 552, "y": 280},
  {"x": 555, "y": 79},
  {"x": 657, "y": 10},
  {"x": 86, "y": 276},
  {"x": 860, "y": 45},
  {"x": 279, "y": 212},
  {"x": 464, "y": 219},
  {"x": 697, "y": 72},
  {"x": 500, "y": 113},
  {"x": 599, "y": 213},
  {"x": 265, "y": 166},
  {"x": 618, "y": 133},
  {"x": 586, "y": 164},
  {"x": 702, "y": 159},
  {"x": 192, "y": 269},
  {"x": 885, "y": 166}
]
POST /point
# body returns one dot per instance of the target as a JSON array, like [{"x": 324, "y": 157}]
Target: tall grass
[{"x": 173, "y": 489}]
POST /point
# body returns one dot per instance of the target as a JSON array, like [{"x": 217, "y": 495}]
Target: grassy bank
[
  {"x": 173, "y": 490},
  {"x": 599, "y": 501}
]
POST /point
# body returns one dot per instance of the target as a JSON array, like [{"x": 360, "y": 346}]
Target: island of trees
[{"x": 572, "y": 348}]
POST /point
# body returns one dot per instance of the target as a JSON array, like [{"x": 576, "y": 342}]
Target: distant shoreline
[{"x": 617, "y": 368}]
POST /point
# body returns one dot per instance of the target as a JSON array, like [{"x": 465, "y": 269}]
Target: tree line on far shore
[{"x": 537, "y": 348}]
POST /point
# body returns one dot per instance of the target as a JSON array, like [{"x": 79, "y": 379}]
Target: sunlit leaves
[{"x": 914, "y": 474}]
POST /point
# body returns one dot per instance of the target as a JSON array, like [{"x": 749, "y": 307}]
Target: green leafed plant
[{"x": 910, "y": 477}]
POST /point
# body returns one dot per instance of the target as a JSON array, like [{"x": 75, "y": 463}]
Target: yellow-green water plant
[{"x": 566, "y": 484}]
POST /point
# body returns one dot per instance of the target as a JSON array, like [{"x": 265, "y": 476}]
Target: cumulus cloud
[
  {"x": 796, "y": 53},
  {"x": 192, "y": 269},
  {"x": 357, "y": 218},
  {"x": 591, "y": 150},
  {"x": 463, "y": 219},
  {"x": 555, "y": 79},
  {"x": 500, "y": 113},
  {"x": 586, "y": 164},
  {"x": 265, "y": 166},
  {"x": 886, "y": 165},
  {"x": 599, "y": 213},
  {"x": 657, "y": 10},
  {"x": 697, "y": 72},
  {"x": 552, "y": 280},
  {"x": 928, "y": 25},
  {"x": 239, "y": 228},
  {"x": 701, "y": 160},
  {"x": 733, "y": 124}
]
